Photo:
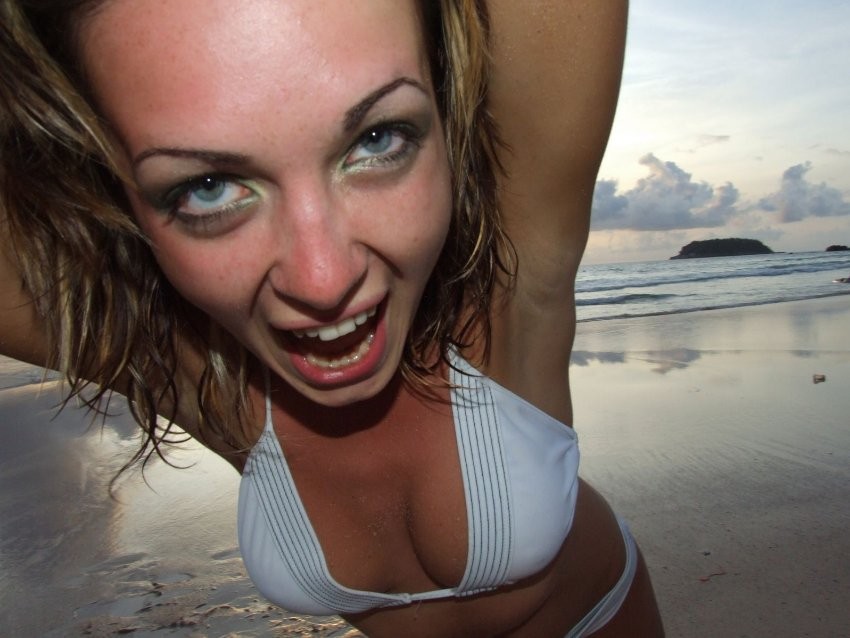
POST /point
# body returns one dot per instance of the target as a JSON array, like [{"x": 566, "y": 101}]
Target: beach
[
  {"x": 159, "y": 559},
  {"x": 708, "y": 433},
  {"x": 705, "y": 430}
]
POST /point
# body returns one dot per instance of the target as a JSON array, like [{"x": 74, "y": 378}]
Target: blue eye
[
  {"x": 208, "y": 197},
  {"x": 209, "y": 194},
  {"x": 377, "y": 142},
  {"x": 383, "y": 145},
  {"x": 209, "y": 189}
]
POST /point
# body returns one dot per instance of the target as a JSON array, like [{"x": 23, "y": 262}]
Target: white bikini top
[{"x": 520, "y": 476}]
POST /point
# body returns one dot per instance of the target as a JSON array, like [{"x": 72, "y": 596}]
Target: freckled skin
[
  {"x": 268, "y": 83},
  {"x": 272, "y": 81}
]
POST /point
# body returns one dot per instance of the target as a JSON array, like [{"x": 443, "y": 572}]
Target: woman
[{"x": 292, "y": 228}]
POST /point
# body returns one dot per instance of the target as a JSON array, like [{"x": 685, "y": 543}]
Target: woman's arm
[
  {"x": 21, "y": 332},
  {"x": 23, "y": 337},
  {"x": 556, "y": 76}
]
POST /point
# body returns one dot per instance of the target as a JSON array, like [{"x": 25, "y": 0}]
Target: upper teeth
[{"x": 344, "y": 327}]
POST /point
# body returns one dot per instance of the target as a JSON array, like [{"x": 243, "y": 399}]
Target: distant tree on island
[
  {"x": 836, "y": 247},
  {"x": 730, "y": 247}
]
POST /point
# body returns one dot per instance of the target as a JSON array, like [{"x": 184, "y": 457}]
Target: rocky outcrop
[
  {"x": 722, "y": 248},
  {"x": 836, "y": 247}
]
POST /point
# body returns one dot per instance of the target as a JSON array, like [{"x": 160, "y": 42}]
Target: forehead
[{"x": 175, "y": 64}]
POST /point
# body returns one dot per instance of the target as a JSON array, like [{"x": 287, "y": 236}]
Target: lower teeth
[{"x": 344, "y": 361}]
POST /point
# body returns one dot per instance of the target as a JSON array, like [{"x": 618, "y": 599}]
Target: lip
[
  {"x": 366, "y": 306},
  {"x": 363, "y": 368}
]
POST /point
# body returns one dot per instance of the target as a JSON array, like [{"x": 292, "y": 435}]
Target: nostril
[
  {"x": 318, "y": 261},
  {"x": 321, "y": 293}
]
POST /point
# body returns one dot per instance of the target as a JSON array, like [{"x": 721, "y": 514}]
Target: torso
[
  {"x": 380, "y": 480},
  {"x": 385, "y": 496}
]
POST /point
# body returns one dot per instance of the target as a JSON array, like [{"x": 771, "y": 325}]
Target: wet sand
[
  {"x": 705, "y": 430},
  {"x": 161, "y": 558}
]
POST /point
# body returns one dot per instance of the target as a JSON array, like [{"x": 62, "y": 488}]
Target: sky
[{"x": 733, "y": 121}]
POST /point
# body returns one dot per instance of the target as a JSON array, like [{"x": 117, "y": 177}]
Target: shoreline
[
  {"x": 606, "y": 291},
  {"x": 704, "y": 429},
  {"x": 738, "y": 306},
  {"x": 709, "y": 433},
  {"x": 628, "y": 332}
]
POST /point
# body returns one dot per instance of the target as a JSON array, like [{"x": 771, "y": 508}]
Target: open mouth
[{"x": 337, "y": 345}]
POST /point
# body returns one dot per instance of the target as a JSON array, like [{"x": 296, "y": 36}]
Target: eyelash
[
  {"x": 172, "y": 200},
  {"x": 411, "y": 139},
  {"x": 175, "y": 197}
]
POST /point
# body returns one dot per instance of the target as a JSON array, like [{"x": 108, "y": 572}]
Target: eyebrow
[
  {"x": 356, "y": 113},
  {"x": 210, "y": 157},
  {"x": 352, "y": 119}
]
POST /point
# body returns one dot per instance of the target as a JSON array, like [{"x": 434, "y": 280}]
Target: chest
[
  {"x": 386, "y": 502},
  {"x": 416, "y": 496}
]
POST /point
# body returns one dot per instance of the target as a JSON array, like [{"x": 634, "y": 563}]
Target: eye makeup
[
  {"x": 205, "y": 203},
  {"x": 384, "y": 145},
  {"x": 208, "y": 192}
]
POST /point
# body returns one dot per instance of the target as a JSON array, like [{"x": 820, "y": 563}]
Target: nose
[{"x": 318, "y": 261}]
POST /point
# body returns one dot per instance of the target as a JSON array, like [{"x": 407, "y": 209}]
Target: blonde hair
[
  {"x": 456, "y": 306},
  {"x": 112, "y": 319}
]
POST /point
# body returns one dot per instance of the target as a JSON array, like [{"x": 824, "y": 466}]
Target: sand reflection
[
  {"x": 161, "y": 558},
  {"x": 55, "y": 515},
  {"x": 707, "y": 432}
]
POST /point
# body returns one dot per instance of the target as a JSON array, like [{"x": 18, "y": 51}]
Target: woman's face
[{"x": 291, "y": 171}]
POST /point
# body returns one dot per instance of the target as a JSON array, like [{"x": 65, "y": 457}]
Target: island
[
  {"x": 836, "y": 248},
  {"x": 729, "y": 247}
]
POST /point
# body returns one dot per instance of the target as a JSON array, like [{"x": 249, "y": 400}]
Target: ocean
[{"x": 609, "y": 291}]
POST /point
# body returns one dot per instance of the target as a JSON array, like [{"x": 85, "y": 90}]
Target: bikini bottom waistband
[{"x": 611, "y": 602}]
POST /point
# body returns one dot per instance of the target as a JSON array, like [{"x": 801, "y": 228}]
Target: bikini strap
[{"x": 267, "y": 382}]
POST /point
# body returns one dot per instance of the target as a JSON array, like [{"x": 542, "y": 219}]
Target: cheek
[
  {"x": 424, "y": 217},
  {"x": 207, "y": 274},
  {"x": 434, "y": 232},
  {"x": 213, "y": 277}
]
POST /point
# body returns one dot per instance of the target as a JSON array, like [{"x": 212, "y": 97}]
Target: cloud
[
  {"x": 708, "y": 140},
  {"x": 701, "y": 141},
  {"x": 797, "y": 198},
  {"x": 668, "y": 199}
]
